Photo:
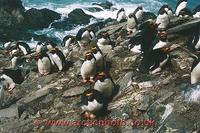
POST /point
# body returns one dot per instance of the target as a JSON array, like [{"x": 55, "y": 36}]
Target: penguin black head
[
  {"x": 131, "y": 15},
  {"x": 140, "y": 7},
  {"x": 39, "y": 43},
  {"x": 94, "y": 50},
  {"x": 102, "y": 76},
  {"x": 89, "y": 56},
  {"x": 162, "y": 10}
]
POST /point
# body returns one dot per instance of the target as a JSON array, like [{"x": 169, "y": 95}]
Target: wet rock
[
  {"x": 105, "y": 5},
  {"x": 39, "y": 19},
  {"x": 73, "y": 92},
  {"x": 11, "y": 112},
  {"x": 94, "y": 9},
  {"x": 78, "y": 16}
]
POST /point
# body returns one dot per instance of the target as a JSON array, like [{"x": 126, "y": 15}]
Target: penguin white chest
[
  {"x": 131, "y": 23},
  {"x": 38, "y": 48},
  {"x": 181, "y": 6},
  {"x": 14, "y": 61},
  {"x": 88, "y": 68},
  {"x": 68, "y": 42},
  {"x": 92, "y": 106},
  {"x": 57, "y": 61},
  {"x": 103, "y": 41},
  {"x": 98, "y": 56},
  {"x": 8, "y": 82},
  {"x": 44, "y": 65},
  {"x": 161, "y": 44},
  {"x": 195, "y": 74},
  {"x": 121, "y": 16},
  {"x": 163, "y": 21},
  {"x": 197, "y": 15},
  {"x": 197, "y": 46},
  {"x": 23, "y": 49},
  {"x": 106, "y": 87},
  {"x": 139, "y": 15}
]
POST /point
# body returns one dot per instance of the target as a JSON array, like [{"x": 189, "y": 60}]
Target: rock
[
  {"x": 105, "y": 5},
  {"x": 78, "y": 16},
  {"x": 94, "y": 9},
  {"x": 143, "y": 100},
  {"x": 146, "y": 84},
  {"x": 48, "y": 98},
  {"x": 39, "y": 19},
  {"x": 11, "y": 112},
  {"x": 76, "y": 91}
]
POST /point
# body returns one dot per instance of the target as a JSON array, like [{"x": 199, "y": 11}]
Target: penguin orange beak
[{"x": 89, "y": 94}]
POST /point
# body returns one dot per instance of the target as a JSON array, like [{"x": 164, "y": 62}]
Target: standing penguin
[
  {"x": 88, "y": 68},
  {"x": 180, "y": 5},
  {"x": 193, "y": 42},
  {"x": 168, "y": 10},
  {"x": 40, "y": 47},
  {"x": 93, "y": 103},
  {"x": 104, "y": 84},
  {"x": 162, "y": 19},
  {"x": 24, "y": 47},
  {"x": 139, "y": 13},
  {"x": 195, "y": 71},
  {"x": 84, "y": 37},
  {"x": 196, "y": 12},
  {"x": 58, "y": 58},
  {"x": 44, "y": 63},
  {"x": 99, "y": 58},
  {"x": 11, "y": 77},
  {"x": 68, "y": 41},
  {"x": 132, "y": 23},
  {"x": 121, "y": 15}
]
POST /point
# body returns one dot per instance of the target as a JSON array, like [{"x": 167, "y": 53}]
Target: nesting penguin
[
  {"x": 104, "y": 39},
  {"x": 180, "y": 5},
  {"x": 15, "y": 58},
  {"x": 11, "y": 77},
  {"x": 139, "y": 13},
  {"x": 121, "y": 15},
  {"x": 43, "y": 63},
  {"x": 196, "y": 12},
  {"x": 132, "y": 23},
  {"x": 24, "y": 47},
  {"x": 104, "y": 84},
  {"x": 88, "y": 68},
  {"x": 93, "y": 103},
  {"x": 58, "y": 58},
  {"x": 162, "y": 19},
  {"x": 99, "y": 58}
]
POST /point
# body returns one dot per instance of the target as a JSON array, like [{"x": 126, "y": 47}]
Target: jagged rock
[
  {"x": 39, "y": 19},
  {"x": 105, "y": 5},
  {"x": 11, "y": 13},
  {"x": 76, "y": 17},
  {"x": 73, "y": 92}
]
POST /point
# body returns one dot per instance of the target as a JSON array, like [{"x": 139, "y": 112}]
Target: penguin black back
[
  {"x": 92, "y": 94},
  {"x": 15, "y": 74},
  {"x": 79, "y": 34},
  {"x": 26, "y": 46}
]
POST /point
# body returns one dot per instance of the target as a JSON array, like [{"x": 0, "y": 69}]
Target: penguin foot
[{"x": 89, "y": 115}]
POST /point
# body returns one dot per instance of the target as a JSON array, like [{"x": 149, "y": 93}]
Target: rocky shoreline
[{"x": 141, "y": 97}]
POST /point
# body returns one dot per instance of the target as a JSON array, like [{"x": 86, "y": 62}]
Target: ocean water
[{"x": 65, "y": 6}]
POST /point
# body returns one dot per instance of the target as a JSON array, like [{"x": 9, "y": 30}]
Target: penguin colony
[{"x": 150, "y": 40}]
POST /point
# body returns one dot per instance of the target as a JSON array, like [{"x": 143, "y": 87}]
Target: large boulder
[
  {"x": 39, "y": 19},
  {"x": 76, "y": 17},
  {"x": 11, "y": 13}
]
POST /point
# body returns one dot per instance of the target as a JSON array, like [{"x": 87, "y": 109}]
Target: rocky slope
[{"x": 140, "y": 97}]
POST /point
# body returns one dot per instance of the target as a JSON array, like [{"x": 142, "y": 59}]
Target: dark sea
[{"x": 65, "y": 6}]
